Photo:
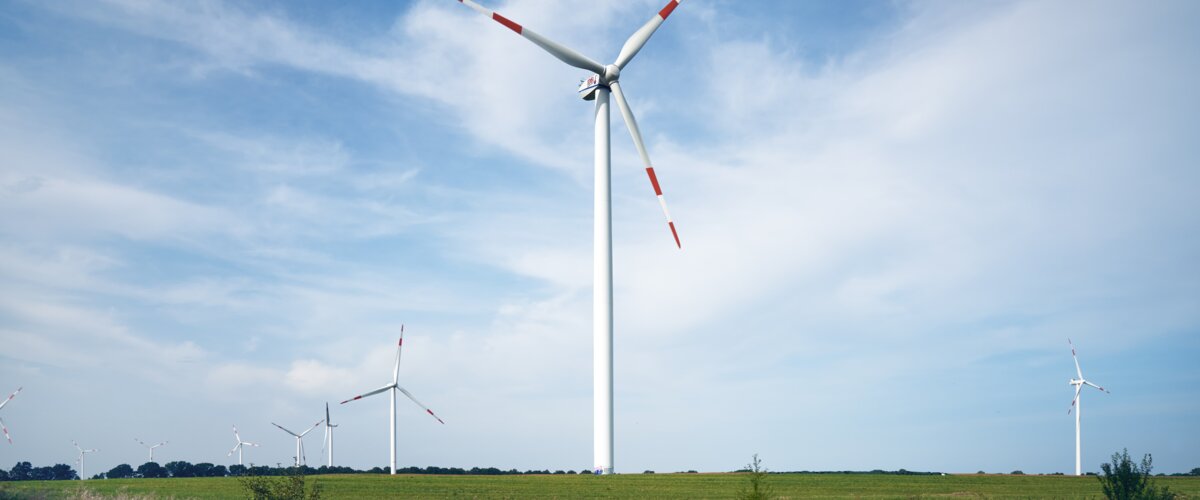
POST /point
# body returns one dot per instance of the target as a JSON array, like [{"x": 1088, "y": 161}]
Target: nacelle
[{"x": 587, "y": 88}]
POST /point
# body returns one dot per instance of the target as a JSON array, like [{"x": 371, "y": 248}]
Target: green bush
[
  {"x": 1125, "y": 480},
  {"x": 290, "y": 486},
  {"x": 758, "y": 489}
]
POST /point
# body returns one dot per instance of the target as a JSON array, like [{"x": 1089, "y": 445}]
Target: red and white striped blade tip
[
  {"x": 430, "y": 412},
  {"x": 10, "y": 396},
  {"x": 662, "y": 201},
  {"x": 666, "y": 11}
]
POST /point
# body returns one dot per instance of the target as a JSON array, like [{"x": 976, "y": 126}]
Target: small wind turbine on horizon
[
  {"x": 240, "y": 444},
  {"x": 80, "y": 460},
  {"x": 151, "y": 448},
  {"x": 2, "y": 405},
  {"x": 299, "y": 441},
  {"x": 597, "y": 87},
  {"x": 1075, "y": 403},
  {"x": 328, "y": 439},
  {"x": 392, "y": 388}
]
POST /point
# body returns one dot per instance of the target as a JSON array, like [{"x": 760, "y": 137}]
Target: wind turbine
[
  {"x": 597, "y": 87},
  {"x": 151, "y": 448},
  {"x": 299, "y": 441},
  {"x": 82, "y": 452},
  {"x": 240, "y": 444},
  {"x": 2, "y": 404},
  {"x": 1075, "y": 403},
  {"x": 392, "y": 388},
  {"x": 328, "y": 440}
]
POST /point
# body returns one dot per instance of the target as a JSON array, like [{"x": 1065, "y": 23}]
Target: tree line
[{"x": 24, "y": 471}]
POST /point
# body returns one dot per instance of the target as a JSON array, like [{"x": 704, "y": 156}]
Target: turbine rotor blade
[
  {"x": 643, "y": 34},
  {"x": 285, "y": 430},
  {"x": 5, "y": 427},
  {"x": 631, "y": 124},
  {"x": 562, "y": 52},
  {"x": 1077, "y": 370},
  {"x": 1096, "y": 386},
  {"x": 10, "y": 396},
  {"x": 314, "y": 426},
  {"x": 235, "y": 448},
  {"x": 399, "y": 347},
  {"x": 236, "y": 435},
  {"x": 372, "y": 393},
  {"x": 1078, "y": 389},
  {"x": 427, "y": 410}
]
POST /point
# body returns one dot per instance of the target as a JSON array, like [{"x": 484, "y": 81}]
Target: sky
[{"x": 893, "y": 215}]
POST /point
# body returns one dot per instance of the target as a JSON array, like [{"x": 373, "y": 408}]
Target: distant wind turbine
[
  {"x": 151, "y": 448},
  {"x": 82, "y": 453},
  {"x": 392, "y": 388},
  {"x": 1075, "y": 403},
  {"x": 299, "y": 440},
  {"x": 240, "y": 444},
  {"x": 2, "y": 404},
  {"x": 328, "y": 440}
]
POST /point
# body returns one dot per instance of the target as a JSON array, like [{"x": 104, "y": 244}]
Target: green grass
[{"x": 619, "y": 486}]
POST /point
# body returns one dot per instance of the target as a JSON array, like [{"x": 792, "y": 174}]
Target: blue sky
[{"x": 893, "y": 215}]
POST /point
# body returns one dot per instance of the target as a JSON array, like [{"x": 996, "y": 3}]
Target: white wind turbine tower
[
  {"x": 1075, "y": 403},
  {"x": 151, "y": 448},
  {"x": 328, "y": 440},
  {"x": 392, "y": 388},
  {"x": 5, "y": 427},
  {"x": 299, "y": 441},
  {"x": 597, "y": 87},
  {"x": 80, "y": 460},
  {"x": 240, "y": 444}
]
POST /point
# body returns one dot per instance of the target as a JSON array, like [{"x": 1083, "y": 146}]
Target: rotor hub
[{"x": 611, "y": 74}]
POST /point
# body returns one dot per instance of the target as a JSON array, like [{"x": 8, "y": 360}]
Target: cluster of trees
[
  {"x": 24, "y": 471},
  {"x": 475, "y": 471},
  {"x": 171, "y": 469},
  {"x": 901, "y": 472}
]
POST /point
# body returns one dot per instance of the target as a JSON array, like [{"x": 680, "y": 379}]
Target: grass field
[{"x": 618, "y": 486}]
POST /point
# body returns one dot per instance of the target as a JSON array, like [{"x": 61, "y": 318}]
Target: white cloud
[
  {"x": 314, "y": 377},
  {"x": 282, "y": 157}
]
